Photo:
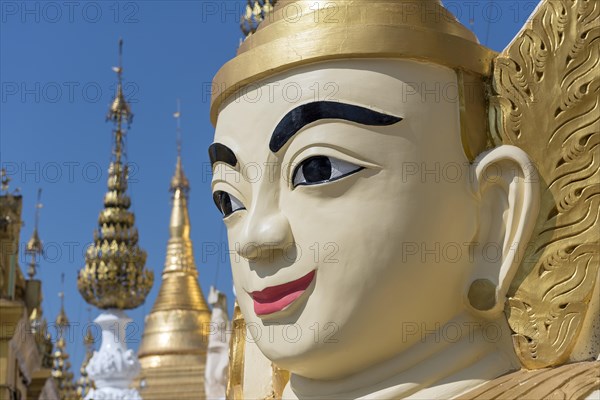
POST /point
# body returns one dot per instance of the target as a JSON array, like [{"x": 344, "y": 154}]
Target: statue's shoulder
[{"x": 577, "y": 381}]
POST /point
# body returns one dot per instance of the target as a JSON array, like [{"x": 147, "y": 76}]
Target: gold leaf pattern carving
[{"x": 546, "y": 100}]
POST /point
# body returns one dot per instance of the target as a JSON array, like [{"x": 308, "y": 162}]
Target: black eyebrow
[
  {"x": 220, "y": 152},
  {"x": 311, "y": 112}
]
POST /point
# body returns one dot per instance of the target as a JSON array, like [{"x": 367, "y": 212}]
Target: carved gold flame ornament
[{"x": 546, "y": 100}]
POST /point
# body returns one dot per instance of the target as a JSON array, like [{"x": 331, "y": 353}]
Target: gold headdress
[{"x": 299, "y": 32}]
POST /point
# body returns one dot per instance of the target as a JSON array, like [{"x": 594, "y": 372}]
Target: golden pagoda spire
[
  {"x": 119, "y": 111},
  {"x": 180, "y": 312},
  {"x": 114, "y": 275},
  {"x": 61, "y": 370},
  {"x": 39, "y": 325},
  {"x": 62, "y": 321},
  {"x": 179, "y": 181},
  {"x": 179, "y": 249},
  {"x": 35, "y": 247},
  {"x": 85, "y": 383}
]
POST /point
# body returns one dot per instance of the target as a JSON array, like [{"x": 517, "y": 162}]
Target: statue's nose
[{"x": 265, "y": 234}]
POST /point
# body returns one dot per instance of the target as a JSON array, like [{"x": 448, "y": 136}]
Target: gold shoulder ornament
[{"x": 545, "y": 100}]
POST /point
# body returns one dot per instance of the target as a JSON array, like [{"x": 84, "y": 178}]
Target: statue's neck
[{"x": 458, "y": 357}]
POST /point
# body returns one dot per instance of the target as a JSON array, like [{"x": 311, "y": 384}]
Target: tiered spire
[
  {"x": 61, "y": 370},
  {"x": 180, "y": 311},
  {"x": 39, "y": 326},
  {"x": 35, "y": 247},
  {"x": 179, "y": 181},
  {"x": 85, "y": 383},
  {"x": 114, "y": 275}
]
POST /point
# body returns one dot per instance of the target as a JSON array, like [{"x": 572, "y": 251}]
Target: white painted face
[{"x": 358, "y": 232}]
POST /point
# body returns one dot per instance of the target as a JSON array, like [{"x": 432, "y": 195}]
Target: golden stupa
[{"x": 174, "y": 342}]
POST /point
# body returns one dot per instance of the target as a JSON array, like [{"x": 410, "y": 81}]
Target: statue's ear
[{"x": 506, "y": 183}]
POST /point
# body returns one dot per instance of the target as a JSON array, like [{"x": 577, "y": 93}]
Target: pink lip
[{"x": 276, "y": 298}]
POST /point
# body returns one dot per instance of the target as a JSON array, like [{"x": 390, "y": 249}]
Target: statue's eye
[
  {"x": 227, "y": 203},
  {"x": 322, "y": 169}
]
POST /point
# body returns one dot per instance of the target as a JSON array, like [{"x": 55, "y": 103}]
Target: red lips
[{"x": 276, "y": 298}]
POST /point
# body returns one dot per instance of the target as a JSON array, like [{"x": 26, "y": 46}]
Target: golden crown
[{"x": 299, "y": 32}]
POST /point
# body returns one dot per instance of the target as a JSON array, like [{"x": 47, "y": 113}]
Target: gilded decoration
[
  {"x": 546, "y": 101},
  {"x": 114, "y": 275}
]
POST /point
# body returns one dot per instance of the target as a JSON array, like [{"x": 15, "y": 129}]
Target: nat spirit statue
[{"x": 411, "y": 214}]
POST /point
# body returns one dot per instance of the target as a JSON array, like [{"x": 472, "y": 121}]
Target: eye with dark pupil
[
  {"x": 225, "y": 203},
  {"x": 317, "y": 169}
]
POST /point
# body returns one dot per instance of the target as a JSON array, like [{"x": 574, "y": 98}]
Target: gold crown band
[{"x": 300, "y": 32}]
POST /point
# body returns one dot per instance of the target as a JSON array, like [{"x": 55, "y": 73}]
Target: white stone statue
[
  {"x": 113, "y": 367},
  {"x": 217, "y": 361},
  {"x": 390, "y": 241}
]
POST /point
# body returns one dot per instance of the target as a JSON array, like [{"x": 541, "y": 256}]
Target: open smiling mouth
[{"x": 277, "y": 298}]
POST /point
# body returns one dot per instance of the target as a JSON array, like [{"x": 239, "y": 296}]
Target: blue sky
[{"x": 56, "y": 84}]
